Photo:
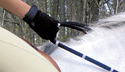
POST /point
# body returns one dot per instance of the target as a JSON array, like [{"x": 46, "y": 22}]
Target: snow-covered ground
[{"x": 105, "y": 45}]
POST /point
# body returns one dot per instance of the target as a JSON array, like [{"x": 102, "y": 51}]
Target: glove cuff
[{"x": 30, "y": 14}]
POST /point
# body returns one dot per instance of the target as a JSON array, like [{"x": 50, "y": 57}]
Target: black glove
[{"x": 41, "y": 23}]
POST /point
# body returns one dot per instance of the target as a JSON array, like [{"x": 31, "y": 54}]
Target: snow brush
[{"x": 83, "y": 28}]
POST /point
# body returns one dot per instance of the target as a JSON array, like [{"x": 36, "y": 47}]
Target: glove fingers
[{"x": 45, "y": 26}]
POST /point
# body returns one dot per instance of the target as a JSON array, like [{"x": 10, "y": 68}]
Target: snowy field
[{"x": 103, "y": 44}]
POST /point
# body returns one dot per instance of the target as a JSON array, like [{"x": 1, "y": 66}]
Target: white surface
[
  {"x": 119, "y": 17},
  {"x": 106, "y": 46}
]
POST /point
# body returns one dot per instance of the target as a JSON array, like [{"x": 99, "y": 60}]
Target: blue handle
[{"x": 87, "y": 58}]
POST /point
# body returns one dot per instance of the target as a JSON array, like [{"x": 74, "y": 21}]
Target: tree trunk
[
  {"x": 94, "y": 10},
  {"x": 62, "y": 19},
  {"x": 85, "y": 11}
]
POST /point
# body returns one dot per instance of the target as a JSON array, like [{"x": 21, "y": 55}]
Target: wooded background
[{"x": 84, "y": 11}]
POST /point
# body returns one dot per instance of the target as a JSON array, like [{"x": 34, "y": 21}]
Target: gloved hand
[{"x": 41, "y": 23}]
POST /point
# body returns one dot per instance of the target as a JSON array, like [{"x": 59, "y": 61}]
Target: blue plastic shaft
[{"x": 86, "y": 58}]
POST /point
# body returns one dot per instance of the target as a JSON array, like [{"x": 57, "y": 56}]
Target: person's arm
[
  {"x": 16, "y": 7},
  {"x": 44, "y": 25}
]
